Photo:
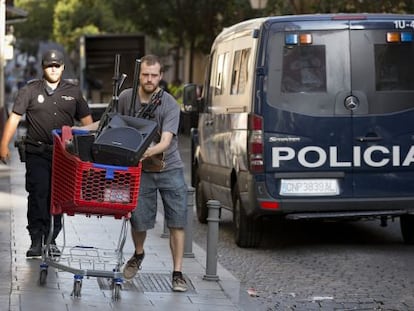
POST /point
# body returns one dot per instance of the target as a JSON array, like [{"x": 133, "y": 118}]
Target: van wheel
[
  {"x": 247, "y": 230},
  {"x": 407, "y": 228},
  {"x": 201, "y": 203}
]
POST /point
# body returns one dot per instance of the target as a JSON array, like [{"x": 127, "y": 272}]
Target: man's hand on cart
[{"x": 90, "y": 127}]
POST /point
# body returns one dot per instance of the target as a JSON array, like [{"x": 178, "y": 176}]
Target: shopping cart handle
[
  {"x": 110, "y": 169},
  {"x": 74, "y": 132}
]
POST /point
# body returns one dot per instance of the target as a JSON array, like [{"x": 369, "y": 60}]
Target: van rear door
[
  {"x": 382, "y": 69},
  {"x": 307, "y": 130},
  {"x": 342, "y": 114}
]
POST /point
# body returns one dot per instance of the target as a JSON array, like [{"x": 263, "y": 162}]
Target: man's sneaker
[
  {"x": 179, "y": 284},
  {"x": 133, "y": 265}
]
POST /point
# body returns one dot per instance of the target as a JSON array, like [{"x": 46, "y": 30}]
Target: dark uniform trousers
[{"x": 38, "y": 185}]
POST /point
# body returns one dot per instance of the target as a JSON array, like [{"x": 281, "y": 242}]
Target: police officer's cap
[{"x": 52, "y": 57}]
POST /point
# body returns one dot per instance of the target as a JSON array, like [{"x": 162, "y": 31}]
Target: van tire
[
  {"x": 407, "y": 228},
  {"x": 247, "y": 230},
  {"x": 201, "y": 203}
]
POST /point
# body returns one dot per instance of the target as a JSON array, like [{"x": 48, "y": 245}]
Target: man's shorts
[{"x": 173, "y": 191}]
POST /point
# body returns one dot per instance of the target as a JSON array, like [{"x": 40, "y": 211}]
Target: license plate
[{"x": 309, "y": 187}]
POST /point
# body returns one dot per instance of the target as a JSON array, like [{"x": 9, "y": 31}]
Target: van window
[
  {"x": 240, "y": 71},
  {"x": 307, "y": 73},
  {"x": 338, "y": 62},
  {"x": 304, "y": 69},
  {"x": 393, "y": 67},
  {"x": 220, "y": 76}
]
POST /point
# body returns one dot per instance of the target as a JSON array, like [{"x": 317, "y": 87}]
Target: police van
[{"x": 308, "y": 117}]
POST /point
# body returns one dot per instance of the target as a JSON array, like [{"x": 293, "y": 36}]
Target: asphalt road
[{"x": 318, "y": 265}]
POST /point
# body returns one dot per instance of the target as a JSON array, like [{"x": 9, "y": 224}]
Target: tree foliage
[
  {"x": 38, "y": 26},
  {"x": 339, "y": 6},
  {"x": 64, "y": 21},
  {"x": 191, "y": 24},
  {"x": 73, "y": 18},
  {"x": 182, "y": 22}
]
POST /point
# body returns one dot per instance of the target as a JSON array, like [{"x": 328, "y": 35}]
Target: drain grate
[
  {"x": 152, "y": 282},
  {"x": 105, "y": 284},
  {"x": 146, "y": 282}
]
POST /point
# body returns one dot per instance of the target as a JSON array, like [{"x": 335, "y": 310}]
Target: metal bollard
[
  {"x": 212, "y": 240},
  {"x": 188, "y": 244}
]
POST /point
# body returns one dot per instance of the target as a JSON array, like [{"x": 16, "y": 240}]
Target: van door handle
[{"x": 368, "y": 138}]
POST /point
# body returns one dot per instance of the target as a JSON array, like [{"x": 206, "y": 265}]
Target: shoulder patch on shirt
[
  {"x": 72, "y": 81},
  {"x": 33, "y": 80}
]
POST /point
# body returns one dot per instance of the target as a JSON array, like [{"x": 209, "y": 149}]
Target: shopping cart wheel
[
  {"x": 43, "y": 273},
  {"x": 116, "y": 291},
  {"x": 43, "y": 276},
  {"x": 77, "y": 286}
]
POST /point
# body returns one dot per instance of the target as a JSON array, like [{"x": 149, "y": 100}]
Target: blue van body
[{"x": 308, "y": 116}]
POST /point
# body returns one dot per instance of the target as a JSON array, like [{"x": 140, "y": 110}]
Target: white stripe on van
[{"x": 383, "y": 156}]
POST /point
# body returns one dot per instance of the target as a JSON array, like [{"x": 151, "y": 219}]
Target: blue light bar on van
[
  {"x": 393, "y": 37},
  {"x": 406, "y": 37},
  {"x": 294, "y": 39},
  {"x": 291, "y": 39}
]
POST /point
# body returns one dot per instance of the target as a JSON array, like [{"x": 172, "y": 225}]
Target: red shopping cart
[
  {"x": 91, "y": 189},
  {"x": 80, "y": 187}
]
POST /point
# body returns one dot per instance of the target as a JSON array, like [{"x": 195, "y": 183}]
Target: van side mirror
[{"x": 191, "y": 97}]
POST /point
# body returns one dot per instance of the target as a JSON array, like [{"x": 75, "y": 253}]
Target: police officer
[{"x": 49, "y": 103}]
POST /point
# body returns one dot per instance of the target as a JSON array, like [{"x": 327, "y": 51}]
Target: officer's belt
[{"x": 33, "y": 146}]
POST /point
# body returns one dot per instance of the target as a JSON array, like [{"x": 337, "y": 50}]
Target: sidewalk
[{"x": 149, "y": 290}]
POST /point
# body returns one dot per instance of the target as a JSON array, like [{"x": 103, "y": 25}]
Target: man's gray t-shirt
[{"x": 167, "y": 116}]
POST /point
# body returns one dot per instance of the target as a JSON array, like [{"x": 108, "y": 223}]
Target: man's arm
[
  {"x": 92, "y": 126},
  {"x": 86, "y": 120},
  {"x": 8, "y": 133},
  {"x": 165, "y": 141}
]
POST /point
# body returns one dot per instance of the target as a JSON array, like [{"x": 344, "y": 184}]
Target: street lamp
[{"x": 258, "y": 4}]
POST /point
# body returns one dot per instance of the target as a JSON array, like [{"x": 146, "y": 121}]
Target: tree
[
  {"x": 38, "y": 26},
  {"x": 73, "y": 18},
  {"x": 190, "y": 24},
  {"x": 64, "y": 21},
  {"x": 339, "y": 6},
  {"x": 182, "y": 24}
]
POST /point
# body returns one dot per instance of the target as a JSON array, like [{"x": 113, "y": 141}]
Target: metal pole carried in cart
[
  {"x": 91, "y": 189},
  {"x": 135, "y": 87},
  {"x": 117, "y": 82}
]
